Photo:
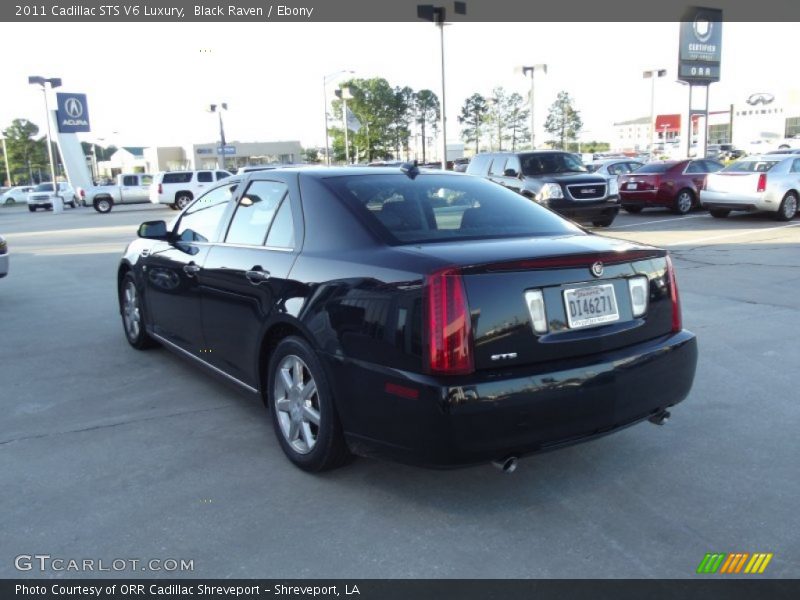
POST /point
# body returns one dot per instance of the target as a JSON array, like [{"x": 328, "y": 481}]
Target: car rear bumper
[
  {"x": 436, "y": 422},
  {"x": 645, "y": 198},
  {"x": 586, "y": 211},
  {"x": 748, "y": 202}
]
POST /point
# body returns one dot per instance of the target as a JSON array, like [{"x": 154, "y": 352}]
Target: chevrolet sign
[{"x": 72, "y": 113}]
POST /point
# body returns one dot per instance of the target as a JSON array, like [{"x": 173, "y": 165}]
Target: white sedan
[
  {"x": 769, "y": 182},
  {"x": 17, "y": 194}
]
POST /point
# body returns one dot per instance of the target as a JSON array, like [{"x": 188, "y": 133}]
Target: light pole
[
  {"x": 218, "y": 108},
  {"x": 54, "y": 83},
  {"x": 532, "y": 69},
  {"x": 325, "y": 80},
  {"x": 652, "y": 75},
  {"x": 345, "y": 95},
  {"x": 437, "y": 14},
  {"x": 5, "y": 156}
]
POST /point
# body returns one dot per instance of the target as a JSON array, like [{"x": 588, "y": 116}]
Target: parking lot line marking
[
  {"x": 659, "y": 221},
  {"x": 730, "y": 235}
]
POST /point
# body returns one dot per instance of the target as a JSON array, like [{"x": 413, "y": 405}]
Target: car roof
[{"x": 322, "y": 172}]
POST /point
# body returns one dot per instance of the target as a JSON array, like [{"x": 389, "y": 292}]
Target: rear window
[
  {"x": 751, "y": 166},
  {"x": 443, "y": 208},
  {"x": 654, "y": 168},
  {"x": 179, "y": 177}
]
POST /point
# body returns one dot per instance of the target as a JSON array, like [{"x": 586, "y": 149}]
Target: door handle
[
  {"x": 257, "y": 275},
  {"x": 191, "y": 269}
]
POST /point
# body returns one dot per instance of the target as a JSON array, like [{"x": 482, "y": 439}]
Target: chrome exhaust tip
[
  {"x": 507, "y": 464},
  {"x": 660, "y": 418}
]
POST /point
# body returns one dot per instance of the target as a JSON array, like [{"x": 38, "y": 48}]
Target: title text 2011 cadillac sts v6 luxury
[{"x": 431, "y": 318}]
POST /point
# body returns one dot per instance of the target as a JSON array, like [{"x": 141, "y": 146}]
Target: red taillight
[
  {"x": 762, "y": 183},
  {"x": 160, "y": 189},
  {"x": 677, "y": 321},
  {"x": 83, "y": 193},
  {"x": 449, "y": 325}
]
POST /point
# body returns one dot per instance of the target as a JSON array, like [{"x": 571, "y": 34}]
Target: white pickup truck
[{"x": 129, "y": 188}]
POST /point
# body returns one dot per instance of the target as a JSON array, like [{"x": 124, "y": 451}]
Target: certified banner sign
[
  {"x": 700, "y": 45},
  {"x": 73, "y": 113}
]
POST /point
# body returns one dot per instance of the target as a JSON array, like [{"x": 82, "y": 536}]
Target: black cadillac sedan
[{"x": 428, "y": 317}]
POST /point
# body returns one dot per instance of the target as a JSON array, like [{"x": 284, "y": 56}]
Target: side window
[
  {"x": 512, "y": 163},
  {"x": 255, "y": 211},
  {"x": 205, "y": 177},
  {"x": 281, "y": 234},
  {"x": 129, "y": 180},
  {"x": 498, "y": 164},
  {"x": 617, "y": 169},
  {"x": 695, "y": 166},
  {"x": 796, "y": 166},
  {"x": 146, "y": 180},
  {"x": 200, "y": 221},
  {"x": 222, "y": 175}
]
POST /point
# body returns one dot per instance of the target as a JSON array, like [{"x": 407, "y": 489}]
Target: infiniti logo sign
[
  {"x": 73, "y": 107},
  {"x": 760, "y": 98}
]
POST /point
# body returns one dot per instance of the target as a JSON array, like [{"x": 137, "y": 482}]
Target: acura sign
[
  {"x": 700, "y": 46},
  {"x": 72, "y": 112}
]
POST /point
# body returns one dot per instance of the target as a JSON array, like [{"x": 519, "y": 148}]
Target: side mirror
[
  {"x": 153, "y": 230},
  {"x": 510, "y": 173}
]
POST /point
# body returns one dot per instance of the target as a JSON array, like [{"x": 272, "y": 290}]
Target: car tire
[
  {"x": 788, "y": 208},
  {"x": 102, "y": 205},
  {"x": 719, "y": 213},
  {"x": 684, "y": 202},
  {"x": 132, "y": 312},
  {"x": 634, "y": 210},
  {"x": 603, "y": 222},
  {"x": 182, "y": 201},
  {"x": 297, "y": 394},
  {"x": 9, "y": 201},
  {"x": 32, "y": 208}
]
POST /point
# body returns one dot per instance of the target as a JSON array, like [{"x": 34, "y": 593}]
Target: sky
[{"x": 150, "y": 84}]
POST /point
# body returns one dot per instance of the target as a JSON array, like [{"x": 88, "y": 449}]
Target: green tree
[
  {"x": 25, "y": 151},
  {"x": 402, "y": 105},
  {"x": 427, "y": 114},
  {"x": 518, "y": 120},
  {"x": 496, "y": 118},
  {"x": 563, "y": 121},
  {"x": 373, "y": 104},
  {"x": 311, "y": 155},
  {"x": 473, "y": 113}
]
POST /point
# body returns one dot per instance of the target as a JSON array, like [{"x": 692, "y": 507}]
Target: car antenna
[{"x": 411, "y": 169}]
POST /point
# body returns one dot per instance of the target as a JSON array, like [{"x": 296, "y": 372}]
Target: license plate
[
  {"x": 593, "y": 305},
  {"x": 631, "y": 186}
]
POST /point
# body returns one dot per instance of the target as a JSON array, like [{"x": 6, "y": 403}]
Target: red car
[{"x": 673, "y": 184}]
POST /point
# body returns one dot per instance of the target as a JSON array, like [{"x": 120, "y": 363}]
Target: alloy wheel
[
  {"x": 684, "y": 202},
  {"x": 131, "y": 314},
  {"x": 789, "y": 207},
  {"x": 297, "y": 404}
]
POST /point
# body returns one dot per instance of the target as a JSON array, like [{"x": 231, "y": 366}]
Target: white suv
[
  {"x": 179, "y": 188},
  {"x": 43, "y": 196}
]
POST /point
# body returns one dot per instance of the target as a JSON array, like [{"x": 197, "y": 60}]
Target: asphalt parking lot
[{"x": 111, "y": 453}]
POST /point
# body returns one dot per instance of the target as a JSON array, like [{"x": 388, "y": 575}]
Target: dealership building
[
  {"x": 138, "y": 159},
  {"x": 759, "y": 118}
]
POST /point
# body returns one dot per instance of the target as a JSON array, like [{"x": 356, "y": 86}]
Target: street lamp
[
  {"x": 345, "y": 95},
  {"x": 437, "y": 14},
  {"x": 532, "y": 69},
  {"x": 325, "y": 80},
  {"x": 652, "y": 75},
  {"x": 54, "y": 83},
  {"x": 218, "y": 108}
]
